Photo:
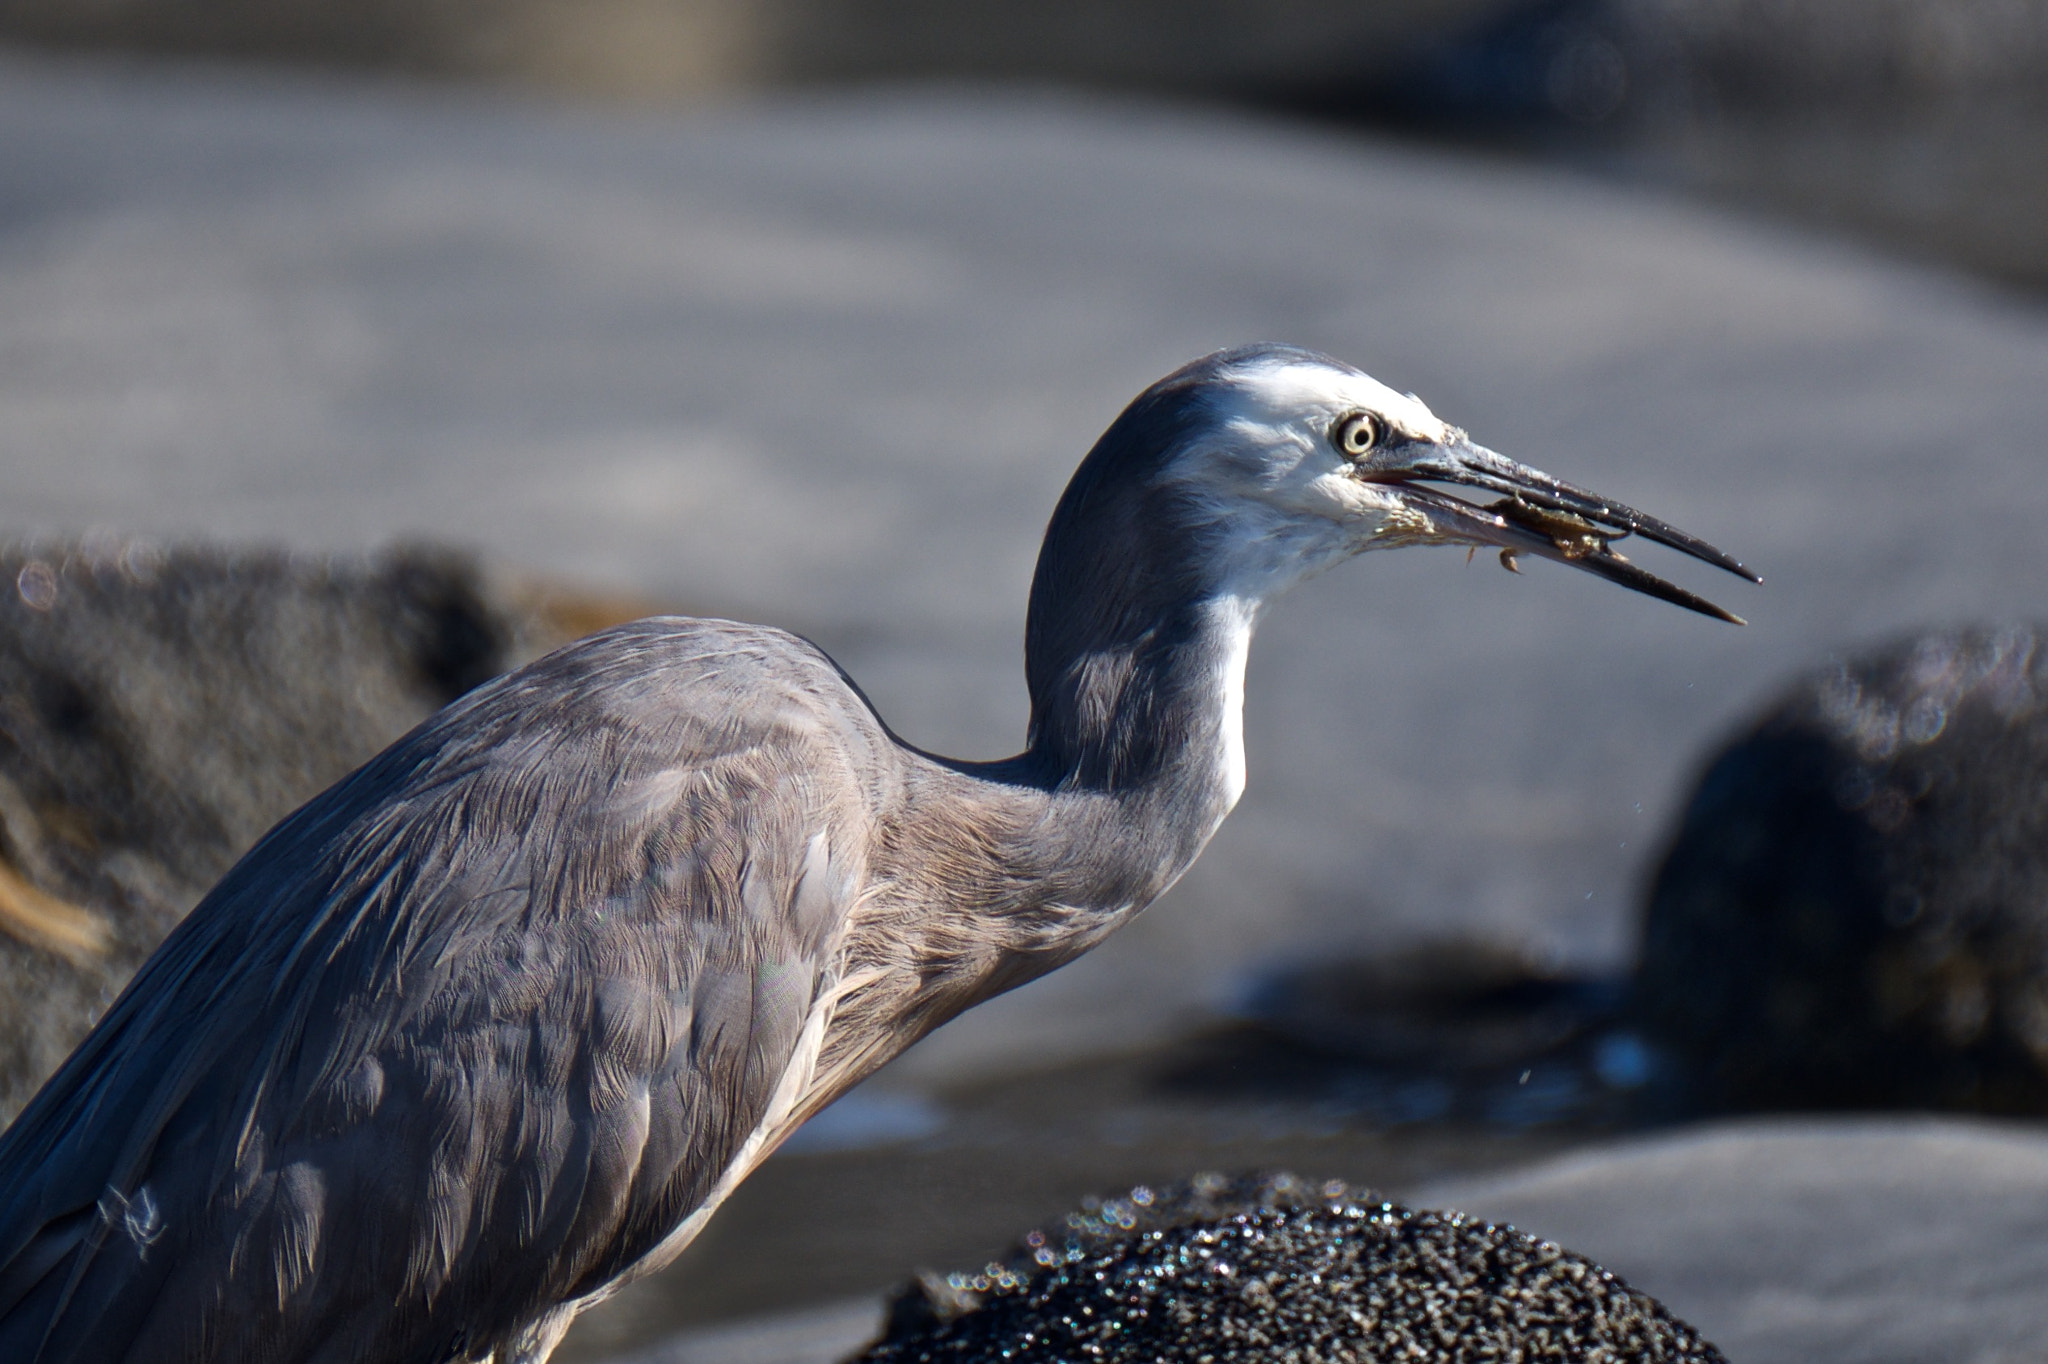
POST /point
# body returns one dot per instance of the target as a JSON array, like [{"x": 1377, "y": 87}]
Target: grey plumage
[
  {"x": 557, "y": 925},
  {"x": 493, "y": 1024}
]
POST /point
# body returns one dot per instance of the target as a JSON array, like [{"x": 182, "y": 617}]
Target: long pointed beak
[{"x": 1540, "y": 515}]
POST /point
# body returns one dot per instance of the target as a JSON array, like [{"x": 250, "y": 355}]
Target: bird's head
[{"x": 1281, "y": 462}]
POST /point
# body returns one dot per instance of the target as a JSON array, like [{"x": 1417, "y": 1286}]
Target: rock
[
  {"x": 1670, "y": 60},
  {"x": 1280, "y": 1269},
  {"x": 1854, "y": 912},
  {"x": 1868, "y": 1240},
  {"x": 1450, "y": 1004},
  {"x": 694, "y": 48},
  {"x": 1455, "y": 1029},
  {"x": 160, "y": 709},
  {"x": 1920, "y": 123}
]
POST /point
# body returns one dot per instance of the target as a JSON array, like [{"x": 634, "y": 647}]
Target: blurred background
[
  {"x": 1917, "y": 122},
  {"x": 351, "y": 355}
]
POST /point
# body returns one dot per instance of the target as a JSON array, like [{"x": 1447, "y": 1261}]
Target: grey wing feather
[{"x": 465, "y": 1037}]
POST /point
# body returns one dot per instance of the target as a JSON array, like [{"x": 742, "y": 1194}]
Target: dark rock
[
  {"x": 1854, "y": 912},
  {"x": 160, "y": 709},
  {"x": 1458, "y": 1029},
  {"x": 715, "y": 46},
  {"x": 1588, "y": 60},
  {"x": 1919, "y": 122},
  {"x": 1277, "y": 1268},
  {"x": 1454, "y": 1004}
]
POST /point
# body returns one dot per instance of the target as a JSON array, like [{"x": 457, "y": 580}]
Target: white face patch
[
  {"x": 1280, "y": 504},
  {"x": 1279, "y": 390}
]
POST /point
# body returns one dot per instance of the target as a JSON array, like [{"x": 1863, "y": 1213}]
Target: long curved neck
[
  {"x": 1135, "y": 658},
  {"x": 999, "y": 872},
  {"x": 1146, "y": 713},
  {"x": 1129, "y": 644}
]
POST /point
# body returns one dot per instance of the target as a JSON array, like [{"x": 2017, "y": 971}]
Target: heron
[{"x": 490, "y": 1028}]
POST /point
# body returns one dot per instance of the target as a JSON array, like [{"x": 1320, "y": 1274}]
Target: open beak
[{"x": 1540, "y": 515}]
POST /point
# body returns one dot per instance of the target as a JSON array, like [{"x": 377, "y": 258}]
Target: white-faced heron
[{"x": 489, "y": 1029}]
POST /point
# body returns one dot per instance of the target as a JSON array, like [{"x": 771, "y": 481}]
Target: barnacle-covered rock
[
  {"x": 1854, "y": 912},
  {"x": 1280, "y": 1270}
]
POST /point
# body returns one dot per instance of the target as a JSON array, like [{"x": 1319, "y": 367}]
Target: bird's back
[{"x": 467, "y": 1036}]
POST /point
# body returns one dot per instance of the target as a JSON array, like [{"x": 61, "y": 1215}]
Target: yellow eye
[{"x": 1358, "y": 434}]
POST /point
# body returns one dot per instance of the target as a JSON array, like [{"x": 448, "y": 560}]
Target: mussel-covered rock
[
  {"x": 1854, "y": 911},
  {"x": 159, "y": 709},
  {"x": 1280, "y": 1270}
]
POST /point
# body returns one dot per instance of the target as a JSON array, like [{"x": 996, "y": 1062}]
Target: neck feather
[
  {"x": 1133, "y": 653},
  {"x": 1135, "y": 659},
  {"x": 1016, "y": 867},
  {"x": 1164, "y": 709}
]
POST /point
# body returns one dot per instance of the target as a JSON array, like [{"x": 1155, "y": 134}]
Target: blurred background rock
[
  {"x": 1854, "y": 911},
  {"x": 161, "y": 708},
  {"x": 691, "y": 49},
  {"x": 1920, "y": 123}
]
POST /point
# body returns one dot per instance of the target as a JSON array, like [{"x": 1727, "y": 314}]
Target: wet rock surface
[
  {"x": 1855, "y": 909},
  {"x": 1284, "y": 1269},
  {"x": 1836, "y": 1240},
  {"x": 161, "y": 708}
]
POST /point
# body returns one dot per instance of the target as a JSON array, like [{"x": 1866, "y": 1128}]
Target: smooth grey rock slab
[
  {"x": 1877, "y": 1241},
  {"x": 826, "y": 362}
]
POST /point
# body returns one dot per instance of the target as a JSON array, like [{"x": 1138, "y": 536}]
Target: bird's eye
[{"x": 1357, "y": 434}]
